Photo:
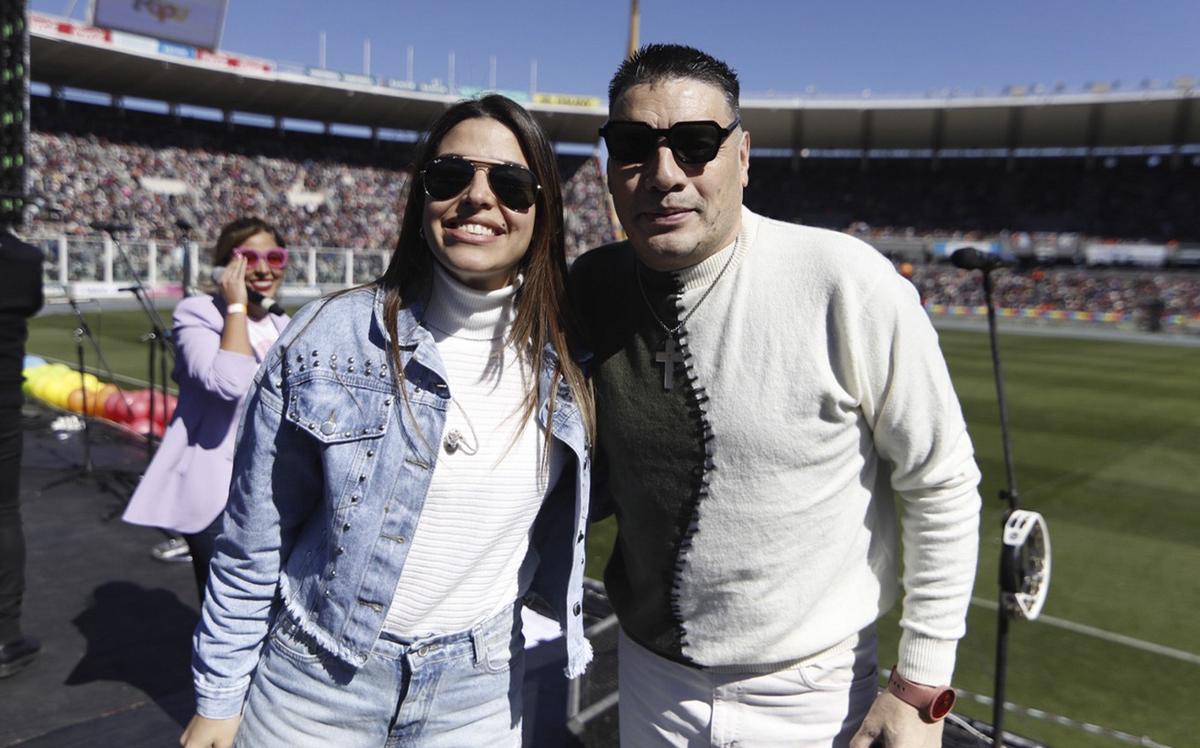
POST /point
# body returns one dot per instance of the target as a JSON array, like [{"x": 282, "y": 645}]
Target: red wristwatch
[{"x": 933, "y": 702}]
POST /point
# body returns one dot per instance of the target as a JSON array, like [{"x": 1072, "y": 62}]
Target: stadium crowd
[
  {"x": 1128, "y": 197},
  {"x": 1072, "y": 290},
  {"x": 328, "y": 191},
  {"x": 347, "y": 193}
]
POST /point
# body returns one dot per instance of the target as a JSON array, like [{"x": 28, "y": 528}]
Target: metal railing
[{"x": 101, "y": 266}]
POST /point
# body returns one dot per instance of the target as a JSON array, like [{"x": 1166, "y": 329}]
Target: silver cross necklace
[{"x": 669, "y": 355}]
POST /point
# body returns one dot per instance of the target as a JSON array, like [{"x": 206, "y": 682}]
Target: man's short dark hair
[{"x": 659, "y": 62}]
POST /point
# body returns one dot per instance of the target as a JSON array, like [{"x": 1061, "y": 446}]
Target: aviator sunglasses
[
  {"x": 275, "y": 257},
  {"x": 447, "y": 176},
  {"x": 691, "y": 142}
]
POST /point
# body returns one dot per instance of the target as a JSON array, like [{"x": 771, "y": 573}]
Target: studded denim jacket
[{"x": 329, "y": 479}]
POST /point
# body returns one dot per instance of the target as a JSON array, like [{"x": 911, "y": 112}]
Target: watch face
[{"x": 942, "y": 704}]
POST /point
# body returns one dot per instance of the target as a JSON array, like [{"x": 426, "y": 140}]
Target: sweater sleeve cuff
[{"x": 926, "y": 660}]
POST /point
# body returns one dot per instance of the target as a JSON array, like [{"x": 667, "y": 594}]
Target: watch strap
[{"x": 933, "y": 702}]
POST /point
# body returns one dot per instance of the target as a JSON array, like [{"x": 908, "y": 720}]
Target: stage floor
[{"x": 116, "y": 624}]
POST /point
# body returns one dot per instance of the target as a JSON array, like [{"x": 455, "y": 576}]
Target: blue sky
[{"x": 834, "y": 47}]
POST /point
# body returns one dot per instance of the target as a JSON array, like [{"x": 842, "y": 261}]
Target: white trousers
[{"x": 819, "y": 703}]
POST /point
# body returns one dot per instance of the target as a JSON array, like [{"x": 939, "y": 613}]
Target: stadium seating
[
  {"x": 98, "y": 164},
  {"x": 1126, "y": 197},
  {"x": 1091, "y": 291}
]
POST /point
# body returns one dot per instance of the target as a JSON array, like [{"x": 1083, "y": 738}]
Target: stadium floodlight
[{"x": 1025, "y": 564}]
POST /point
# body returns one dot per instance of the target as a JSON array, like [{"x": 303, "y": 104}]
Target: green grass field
[{"x": 1105, "y": 437}]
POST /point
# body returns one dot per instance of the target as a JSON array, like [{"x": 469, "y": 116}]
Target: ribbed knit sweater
[
  {"x": 755, "y": 498},
  {"x": 468, "y": 554}
]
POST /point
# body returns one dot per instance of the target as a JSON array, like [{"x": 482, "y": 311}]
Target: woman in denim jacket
[{"x": 412, "y": 462}]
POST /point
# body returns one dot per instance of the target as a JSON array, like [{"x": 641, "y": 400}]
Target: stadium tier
[
  {"x": 335, "y": 193},
  {"x": 1116, "y": 197},
  {"x": 100, "y": 163},
  {"x": 94, "y": 163}
]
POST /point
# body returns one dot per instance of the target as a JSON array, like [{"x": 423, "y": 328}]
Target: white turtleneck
[{"x": 467, "y": 559}]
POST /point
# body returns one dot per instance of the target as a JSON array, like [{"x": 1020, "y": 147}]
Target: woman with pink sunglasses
[{"x": 220, "y": 339}]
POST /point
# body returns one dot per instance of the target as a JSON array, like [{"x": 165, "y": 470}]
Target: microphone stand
[
  {"x": 87, "y": 469},
  {"x": 157, "y": 340},
  {"x": 1009, "y": 495}
]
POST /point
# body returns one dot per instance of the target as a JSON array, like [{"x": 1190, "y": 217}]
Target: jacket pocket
[{"x": 334, "y": 410}]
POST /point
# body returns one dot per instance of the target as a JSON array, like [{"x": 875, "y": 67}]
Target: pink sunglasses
[{"x": 275, "y": 257}]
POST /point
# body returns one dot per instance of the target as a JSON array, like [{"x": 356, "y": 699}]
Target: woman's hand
[
  {"x": 203, "y": 732},
  {"x": 233, "y": 281}
]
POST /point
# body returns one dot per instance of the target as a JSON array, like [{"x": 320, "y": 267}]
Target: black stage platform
[{"x": 116, "y": 624}]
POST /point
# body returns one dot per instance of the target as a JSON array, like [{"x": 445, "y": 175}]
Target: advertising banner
[
  {"x": 194, "y": 22},
  {"x": 566, "y": 99},
  {"x": 234, "y": 61},
  {"x": 40, "y": 24},
  {"x": 135, "y": 43},
  {"x": 176, "y": 50}
]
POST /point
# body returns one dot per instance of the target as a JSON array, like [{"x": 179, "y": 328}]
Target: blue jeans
[{"x": 447, "y": 691}]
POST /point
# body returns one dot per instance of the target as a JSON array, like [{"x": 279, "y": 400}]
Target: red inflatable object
[
  {"x": 162, "y": 415},
  {"x": 144, "y": 427},
  {"x": 115, "y": 407},
  {"x": 139, "y": 402}
]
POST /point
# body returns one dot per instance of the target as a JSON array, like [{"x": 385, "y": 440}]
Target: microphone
[
  {"x": 266, "y": 302},
  {"x": 111, "y": 227},
  {"x": 970, "y": 258},
  {"x": 185, "y": 220}
]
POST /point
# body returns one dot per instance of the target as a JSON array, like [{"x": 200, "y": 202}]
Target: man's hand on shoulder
[{"x": 890, "y": 723}]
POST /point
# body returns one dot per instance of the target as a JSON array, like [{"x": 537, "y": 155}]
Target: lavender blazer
[{"x": 187, "y": 483}]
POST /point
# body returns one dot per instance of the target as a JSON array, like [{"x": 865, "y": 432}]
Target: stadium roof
[{"x": 69, "y": 54}]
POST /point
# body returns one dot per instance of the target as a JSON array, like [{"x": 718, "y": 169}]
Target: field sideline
[{"x": 1105, "y": 436}]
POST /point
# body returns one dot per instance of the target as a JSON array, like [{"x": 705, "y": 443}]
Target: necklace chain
[{"x": 670, "y": 331}]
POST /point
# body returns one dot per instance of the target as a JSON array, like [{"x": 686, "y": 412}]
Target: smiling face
[
  {"x": 259, "y": 276},
  {"x": 675, "y": 214},
  {"x": 474, "y": 235}
]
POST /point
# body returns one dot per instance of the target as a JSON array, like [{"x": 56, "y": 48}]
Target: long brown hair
[
  {"x": 237, "y": 231},
  {"x": 543, "y": 316}
]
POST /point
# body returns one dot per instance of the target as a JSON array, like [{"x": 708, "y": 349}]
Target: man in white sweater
[{"x": 765, "y": 394}]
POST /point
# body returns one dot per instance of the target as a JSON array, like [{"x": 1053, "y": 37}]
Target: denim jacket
[{"x": 329, "y": 480}]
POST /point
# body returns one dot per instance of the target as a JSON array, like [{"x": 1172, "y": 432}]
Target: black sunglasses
[
  {"x": 691, "y": 142},
  {"x": 446, "y": 176}
]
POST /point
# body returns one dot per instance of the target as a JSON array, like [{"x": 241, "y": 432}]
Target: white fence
[{"x": 98, "y": 266}]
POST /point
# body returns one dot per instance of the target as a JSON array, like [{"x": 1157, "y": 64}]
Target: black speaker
[{"x": 14, "y": 110}]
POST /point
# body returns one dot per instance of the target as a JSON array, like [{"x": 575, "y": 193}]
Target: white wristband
[{"x": 235, "y": 309}]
